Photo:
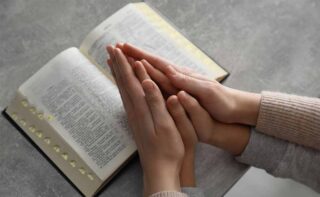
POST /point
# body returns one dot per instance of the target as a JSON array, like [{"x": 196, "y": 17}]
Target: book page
[
  {"x": 86, "y": 110},
  {"x": 130, "y": 25}
]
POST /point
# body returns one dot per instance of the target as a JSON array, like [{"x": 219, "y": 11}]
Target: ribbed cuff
[
  {"x": 290, "y": 117},
  {"x": 168, "y": 194},
  {"x": 193, "y": 191},
  {"x": 263, "y": 151}
]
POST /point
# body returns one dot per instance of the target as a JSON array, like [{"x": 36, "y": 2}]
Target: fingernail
[
  {"x": 136, "y": 64},
  {"x": 118, "y": 52},
  {"x": 145, "y": 61},
  {"x": 182, "y": 94},
  {"x": 174, "y": 101},
  {"x": 119, "y": 44}
]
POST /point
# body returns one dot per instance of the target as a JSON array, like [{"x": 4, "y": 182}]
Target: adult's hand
[
  {"x": 230, "y": 137},
  {"x": 183, "y": 107},
  {"x": 224, "y": 104},
  {"x": 158, "y": 140}
]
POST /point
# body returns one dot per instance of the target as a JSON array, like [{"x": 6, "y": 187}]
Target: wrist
[
  {"x": 230, "y": 137},
  {"x": 246, "y": 107},
  {"x": 187, "y": 173},
  {"x": 161, "y": 180}
]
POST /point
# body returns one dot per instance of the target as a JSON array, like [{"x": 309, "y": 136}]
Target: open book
[{"x": 72, "y": 109}]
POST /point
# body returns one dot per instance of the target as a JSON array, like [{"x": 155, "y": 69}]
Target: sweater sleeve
[
  {"x": 185, "y": 192},
  {"x": 283, "y": 159},
  {"x": 193, "y": 191},
  {"x": 290, "y": 117},
  {"x": 168, "y": 194}
]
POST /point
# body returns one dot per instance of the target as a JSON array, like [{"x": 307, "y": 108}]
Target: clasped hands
[{"x": 170, "y": 109}]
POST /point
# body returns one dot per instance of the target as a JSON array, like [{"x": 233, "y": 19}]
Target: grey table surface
[{"x": 265, "y": 45}]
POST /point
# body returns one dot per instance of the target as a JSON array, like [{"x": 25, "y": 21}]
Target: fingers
[
  {"x": 201, "y": 119},
  {"x": 131, "y": 93},
  {"x": 132, "y": 86},
  {"x": 111, "y": 55},
  {"x": 109, "y": 62},
  {"x": 124, "y": 95},
  {"x": 140, "y": 71},
  {"x": 126, "y": 76},
  {"x": 190, "y": 72},
  {"x": 119, "y": 45},
  {"x": 155, "y": 101},
  {"x": 160, "y": 78},
  {"x": 187, "y": 83},
  {"x": 182, "y": 122},
  {"x": 140, "y": 54},
  {"x": 131, "y": 60},
  {"x": 112, "y": 61},
  {"x": 157, "y": 67},
  {"x": 157, "y": 62}
]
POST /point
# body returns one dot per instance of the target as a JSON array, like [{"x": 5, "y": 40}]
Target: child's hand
[
  {"x": 185, "y": 128},
  {"x": 189, "y": 138},
  {"x": 224, "y": 104},
  {"x": 158, "y": 140}
]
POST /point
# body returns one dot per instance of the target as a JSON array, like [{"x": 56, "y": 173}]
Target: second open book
[{"x": 72, "y": 109}]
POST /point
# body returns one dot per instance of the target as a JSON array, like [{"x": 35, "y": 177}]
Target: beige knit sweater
[{"x": 288, "y": 117}]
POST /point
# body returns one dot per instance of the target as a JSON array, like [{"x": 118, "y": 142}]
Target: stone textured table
[{"x": 265, "y": 45}]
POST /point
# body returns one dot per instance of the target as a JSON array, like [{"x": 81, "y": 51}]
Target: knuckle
[
  {"x": 185, "y": 78},
  {"x": 139, "y": 113},
  {"x": 153, "y": 99},
  {"x": 214, "y": 85},
  {"x": 178, "y": 112},
  {"x": 164, "y": 127}
]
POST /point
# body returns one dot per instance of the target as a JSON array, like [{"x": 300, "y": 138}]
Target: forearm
[
  {"x": 290, "y": 117},
  {"x": 230, "y": 137},
  {"x": 187, "y": 173},
  {"x": 246, "y": 107},
  {"x": 283, "y": 159}
]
